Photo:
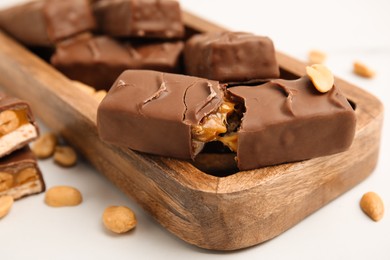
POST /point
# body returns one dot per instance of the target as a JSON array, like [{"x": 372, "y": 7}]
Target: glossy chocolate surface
[
  {"x": 152, "y": 112},
  {"x": 230, "y": 57}
]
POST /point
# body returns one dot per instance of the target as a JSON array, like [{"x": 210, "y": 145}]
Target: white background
[{"x": 347, "y": 31}]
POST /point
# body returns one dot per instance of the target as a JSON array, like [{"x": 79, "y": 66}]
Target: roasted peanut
[
  {"x": 26, "y": 175},
  {"x": 119, "y": 219},
  {"x": 44, "y": 146},
  {"x": 6, "y": 181},
  {"x": 316, "y": 57},
  {"x": 63, "y": 196},
  {"x": 321, "y": 77},
  {"x": 6, "y": 203},
  {"x": 65, "y": 156},
  {"x": 362, "y": 70},
  {"x": 9, "y": 121},
  {"x": 99, "y": 95},
  {"x": 372, "y": 205}
]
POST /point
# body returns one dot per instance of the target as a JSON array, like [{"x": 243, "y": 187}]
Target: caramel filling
[
  {"x": 9, "y": 181},
  {"x": 10, "y": 120}
]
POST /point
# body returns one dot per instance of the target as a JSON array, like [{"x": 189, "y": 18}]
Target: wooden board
[{"x": 222, "y": 213}]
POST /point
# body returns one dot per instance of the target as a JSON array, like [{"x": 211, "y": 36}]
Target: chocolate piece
[
  {"x": 154, "y": 112},
  {"x": 287, "y": 121},
  {"x": 17, "y": 124},
  {"x": 140, "y": 18},
  {"x": 43, "y": 23},
  {"x": 20, "y": 175},
  {"x": 98, "y": 61},
  {"x": 230, "y": 57}
]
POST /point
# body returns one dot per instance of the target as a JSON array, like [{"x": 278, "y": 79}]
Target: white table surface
[{"x": 346, "y": 31}]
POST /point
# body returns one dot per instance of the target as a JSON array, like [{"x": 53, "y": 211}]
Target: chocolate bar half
[
  {"x": 45, "y": 22},
  {"x": 99, "y": 60},
  {"x": 140, "y": 18},
  {"x": 230, "y": 57},
  {"x": 155, "y": 112},
  {"x": 20, "y": 175},
  {"x": 17, "y": 124},
  {"x": 289, "y": 120}
]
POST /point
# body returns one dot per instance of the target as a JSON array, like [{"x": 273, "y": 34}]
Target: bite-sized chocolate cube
[
  {"x": 155, "y": 112},
  {"x": 98, "y": 61},
  {"x": 140, "y": 18},
  {"x": 20, "y": 175},
  {"x": 43, "y": 23},
  {"x": 288, "y": 121},
  {"x": 231, "y": 57},
  {"x": 17, "y": 124}
]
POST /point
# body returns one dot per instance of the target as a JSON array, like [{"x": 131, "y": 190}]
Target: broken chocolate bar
[
  {"x": 140, "y": 18},
  {"x": 288, "y": 121},
  {"x": 17, "y": 124},
  {"x": 20, "y": 175},
  {"x": 155, "y": 112},
  {"x": 43, "y": 23},
  {"x": 98, "y": 61},
  {"x": 230, "y": 57}
]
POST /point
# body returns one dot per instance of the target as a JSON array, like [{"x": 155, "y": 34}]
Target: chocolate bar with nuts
[
  {"x": 289, "y": 120},
  {"x": 20, "y": 175},
  {"x": 44, "y": 23},
  {"x": 154, "y": 112},
  {"x": 98, "y": 60},
  {"x": 17, "y": 124},
  {"x": 230, "y": 57},
  {"x": 140, "y": 18}
]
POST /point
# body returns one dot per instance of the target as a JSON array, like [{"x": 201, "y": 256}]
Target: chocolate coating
[
  {"x": 287, "y": 121},
  {"x": 140, "y": 18},
  {"x": 17, "y": 161},
  {"x": 98, "y": 61},
  {"x": 152, "y": 112},
  {"x": 230, "y": 57},
  {"x": 43, "y": 23}
]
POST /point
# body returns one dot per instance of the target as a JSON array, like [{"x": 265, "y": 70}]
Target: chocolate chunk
[
  {"x": 287, "y": 121},
  {"x": 20, "y": 175},
  {"x": 43, "y": 23},
  {"x": 140, "y": 18},
  {"x": 154, "y": 112},
  {"x": 17, "y": 124},
  {"x": 98, "y": 61},
  {"x": 230, "y": 57}
]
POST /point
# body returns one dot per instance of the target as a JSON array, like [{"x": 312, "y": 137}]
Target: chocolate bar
[
  {"x": 17, "y": 124},
  {"x": 43, "y": 23},
  {"x": 230, "y": 57},
  {"x": 98, "y": 61},
  {"x": 20, "y": 175},
  {"x": 154, "y": 112},
  {"x": 288, "y": 121},
  {"x": 140, "y": 18}
]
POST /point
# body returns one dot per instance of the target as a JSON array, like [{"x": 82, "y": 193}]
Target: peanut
[
  {"x": 372, "y": 205},
  {"x": 6, "y": 181},
  {"x": 44, "y": 146},
  {"x": 316, "y": 57},
  {"x": 65, "y": 156},
  {"x": 119, "y": 219},
  {"x": 6, "y": 203},
  {"x": 362, "y": 70},
  {"x": 83, "y": 87},
  {"x": 99, "y": 95},
  {"x": 26, "y": 175},
  {"x": 9, "y": 121},
  {"x": 321, "y": 77},
  {"x": 63, "y": 196}
]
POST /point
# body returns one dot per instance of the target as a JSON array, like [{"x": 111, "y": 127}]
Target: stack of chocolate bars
[{"x": 19, "y": 172}]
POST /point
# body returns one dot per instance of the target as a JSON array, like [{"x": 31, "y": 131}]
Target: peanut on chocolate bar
[
  {"x": 43, "y": 23},
  {"x": 230, "y": 57},
  {"x": 140, "y": 18},
  {"x": 99, "y": 60},
  {"x": 17, "y": 124},
  {"x": 20, "y": 175}
]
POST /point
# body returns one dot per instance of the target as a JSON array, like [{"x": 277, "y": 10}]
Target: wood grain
[{"x": 221, "y": 213}]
